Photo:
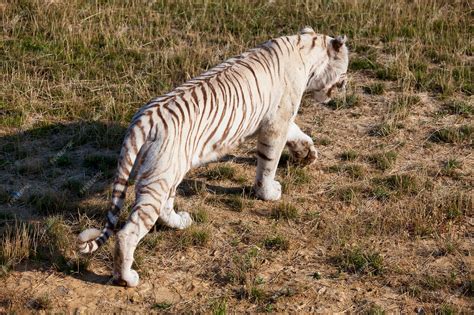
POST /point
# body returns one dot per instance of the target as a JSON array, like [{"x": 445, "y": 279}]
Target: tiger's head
[{"x": 329, "y": 58}]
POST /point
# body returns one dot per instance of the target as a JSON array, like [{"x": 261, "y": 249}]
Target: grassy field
[{"x": 383, "y": 223}]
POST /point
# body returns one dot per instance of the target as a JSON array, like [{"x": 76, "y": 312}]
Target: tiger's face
[{"x": 334, "y": 75}]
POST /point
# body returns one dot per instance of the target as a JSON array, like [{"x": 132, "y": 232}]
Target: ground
[{"x": 383, "y": 222}]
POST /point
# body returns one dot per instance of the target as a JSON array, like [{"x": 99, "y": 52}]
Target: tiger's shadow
[
  {"x": 64, "y": 171},
  {"x": 192, "y": 187}
]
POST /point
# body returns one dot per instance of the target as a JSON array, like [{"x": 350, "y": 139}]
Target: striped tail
[{"x": 91, "y": 239}]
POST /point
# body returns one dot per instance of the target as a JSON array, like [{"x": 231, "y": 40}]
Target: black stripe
[{"x": 263, "y": 156}]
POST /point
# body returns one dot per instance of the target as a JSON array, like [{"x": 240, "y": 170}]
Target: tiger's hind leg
[
  {"x": 170, "y": 218},
  {"x": 301, "y": 145},
  {"x": 150, "y": 201}
]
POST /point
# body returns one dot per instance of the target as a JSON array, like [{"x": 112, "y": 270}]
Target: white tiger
[{"x": 257, "y": 93}]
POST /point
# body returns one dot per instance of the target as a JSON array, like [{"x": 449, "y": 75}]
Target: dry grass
[{"x": 381, "y": 223}]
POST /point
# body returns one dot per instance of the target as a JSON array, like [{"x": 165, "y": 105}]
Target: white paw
[
  {"x": 270, "y": 190},
  {"x": 186, "y": 220},
  {"x": 131, "y": 278}
]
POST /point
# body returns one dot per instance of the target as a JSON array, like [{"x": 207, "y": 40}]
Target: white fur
[
  {"x": 240, "y": 98},
  {"x": 85, "y": 236}
]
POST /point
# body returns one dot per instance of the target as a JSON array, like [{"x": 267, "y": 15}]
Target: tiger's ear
[
  {"x": 307, "y": 30},
  {"x": 337, "y": 42}
]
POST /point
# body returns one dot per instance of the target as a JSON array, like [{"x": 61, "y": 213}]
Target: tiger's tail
[{"x": 91, "y": 239}]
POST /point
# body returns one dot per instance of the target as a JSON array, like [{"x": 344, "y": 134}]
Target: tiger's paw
[
  {"x": 303, "y": 152},
  {"x": 268, "y": 191},
  {"x": 129, "y": 279},
  {"x": 186, "y": 220}
]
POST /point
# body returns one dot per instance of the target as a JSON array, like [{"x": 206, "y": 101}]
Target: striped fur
[{"x": 256, "y": 93}]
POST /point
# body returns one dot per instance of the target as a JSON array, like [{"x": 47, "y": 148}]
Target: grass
[
  {"x": 63, "y": 161},
  {"x": 152, "y": 240},
  {"x": 219, "y": 307},
  {"x": 201, "y": 215},
  {"x": 286, "y": 211},
  {"x": 104, "y": 164},
  {"x": 74, "y": 73},
  {"x": 161, "y": 306},
  {"x": 451, "y": 168},
  {"x": 324, "y": 141},
  {"x": 375, "y": 309},
  {"x": 194, "y": 236},
  {"x": 383, "y": 160},
  {"x": 363, "y": 63},
  {"x": 348, "y": 194},
  {"x": 39, "y": 303},
  {"x": 49, "y": 202},
  {"x": 399, "y": 183},
  {"x": 348, "y": 101},
  {"x": 402, "y": 106},
  {"x": 446, "y": 309},
  {"x": 295, "y": 176},
  {"x": 75, "y": 186},
  {"x": 220, "y": 172},
  {"x": 4, "y": 196},
  {"x": 457, "y": 204},
  {"x": 357, "y": 260},
  {"x": 453, "y": 134},
  {"x": 243, "y": 265},
  {"x": 355, "y": 171},
  {"x": 387, "y": 73},
  {"x": 377, "y": 88},
  {"x": 349, "y": 155},
  {"x": 277, "y": 242},
  {"x": 19, "y": 242},
  {"x": 460, "y": 108},
  {"x": 234, "y": 202},
  {"x": 382, "y": 130}
]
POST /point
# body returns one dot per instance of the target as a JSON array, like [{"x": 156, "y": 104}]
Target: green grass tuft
[
  {"x": 162, "y": 306},
  {"x": 459, "y": 108},
  {"x": 220, "y": 172},
  {"x": 277, "y": 242},
  {"x": 458, "y": 204},
  {"x": 363, "y": 63},
  {"x": 219, "y": 307},
  {"x": 234, "y": 202},
  {"x": 286, "y": 211},
  {"x": 355, "y": 171},
  {"x": 383, "y": 160},
  {"x": 382, "y": 130},
  {"x": 324, "y": 141},
  {"x": 349, "y": 155},
  {"x": 194, "y": 236},
  {"x": 453, "y": 134},
  {"x": 387, "y": 73},
  {"x": 49, "y": 202},
  {"x": 201, "y": 215},
  {"x": 377, "y": 88},
  {"x": 400, "y": 108},
  {"x": 347, "y": 194},
  {"x": 357, "y": 260},
  {"x": 105, "y": 164},
  {"x": 399, "y": 183},
  {"x": 349, "y": 101}
]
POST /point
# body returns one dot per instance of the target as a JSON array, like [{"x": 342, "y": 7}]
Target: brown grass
[{"x": 381, "y": 223}]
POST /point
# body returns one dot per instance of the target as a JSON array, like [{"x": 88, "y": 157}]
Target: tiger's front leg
[
  {"x": 271, "y": 141},
  {"x": 301, "y": 145}
]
